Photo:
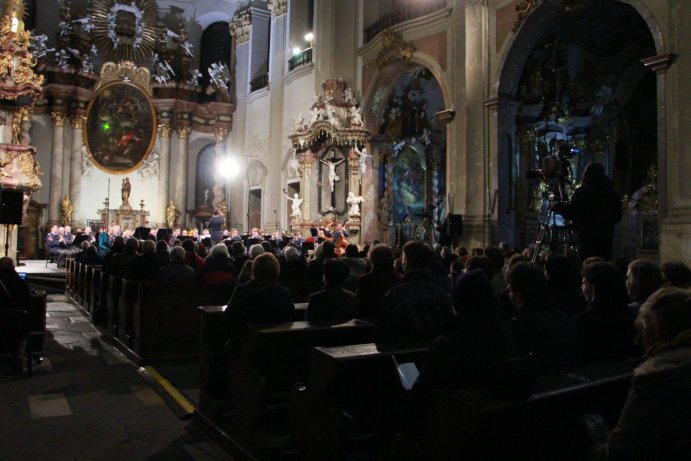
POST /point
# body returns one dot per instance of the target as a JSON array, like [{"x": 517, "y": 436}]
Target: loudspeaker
[
  {"x": 454, "y": 225},
  {"x": 11, "y": 206}
]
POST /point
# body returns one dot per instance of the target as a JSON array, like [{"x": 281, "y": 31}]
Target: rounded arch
[{"x": 381, "y": 86}]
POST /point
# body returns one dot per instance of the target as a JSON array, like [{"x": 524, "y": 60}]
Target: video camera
[{"x": 556, "y": 169}]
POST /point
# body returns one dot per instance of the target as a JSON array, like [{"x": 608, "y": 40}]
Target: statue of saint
[
  {"x": 125, "y": 191},
  {"x": 297, "y": 203},
  {"x": 172, "y": 213},
  {"x": 354, "y": 202},
  {"x": 67, "y": 210}
]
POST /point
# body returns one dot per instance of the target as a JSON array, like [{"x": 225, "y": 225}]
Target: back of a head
[
  {"x": 528, "y": 279},
  {"x": 592, "y": 171},
  {"x": 677, "y": 274},
  {"x": 119, "y": 242},
  {"x": 91, "y": 250},
  {"x": 445, "y": 252},
  {"x": 189, "y": 246},
  {"x": 335, "y": 271},
  {"x": 517, "y": 258},
  {"x": 328, "y": 249},
  {"x": 6, "y": 263},
  {"x": 265, "y": 268},
  {"x": 646, "y": 278},
  {"x": 352, "y": 251},
  {"x": 609, "y": 288},
  {"x": 84, "y": 245},
  {"x": 381, "y": 257},
  {"x": 238, "y": 248},
  {"x": 481, "y": 262},
  {"x": 290, "y": 252},
  {"x": 132, "y": 245},
  {"x": 267, "y": 246},
  {"x": 149, "y": 246},
  {"x": 664, "y": 315},
  {"x": 472, "y": 294},
  {"x": 417, "y": 255},
  {"x": 562, "y": 271},
  {"x": 219, "y": 251},
  {"x": 256, "y": 250},
  {"x": 162, "y": 247},
  {"x": 496, "y": 256},
  {"x": 177, "y": 255}
]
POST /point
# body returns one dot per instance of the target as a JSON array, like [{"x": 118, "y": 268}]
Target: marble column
[
  {"x": 306, "y": 159},
  {"x": 354, "y": 187},
  {"x": 179, "y": 184},
  {"x": 77, "y": 122},
  {"x": 219, "y": 200},
  {"x": 56, "y": 168},
  {"x": 163, "y": 173}
]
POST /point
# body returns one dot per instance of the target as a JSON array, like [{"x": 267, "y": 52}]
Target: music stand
[
  {"x": 142, "y": 233},
  {"x": 163, "y": 234}
]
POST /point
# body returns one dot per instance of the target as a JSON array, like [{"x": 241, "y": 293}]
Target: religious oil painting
[
  {"x": 120, "y": 128},
  {"x": 408, "y": 185}
]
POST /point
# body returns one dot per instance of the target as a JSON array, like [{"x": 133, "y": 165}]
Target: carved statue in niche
[
  {"x": 332, "y": 164},
  {"x": 172, "y": 213},
  {"x": 295, "y": 206}
]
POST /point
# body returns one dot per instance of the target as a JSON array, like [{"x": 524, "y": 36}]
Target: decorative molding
[
  {"x": 220, "y": 133},
  {"x": 659, "y": 63},
  {"x": 394, "y": 49},
  {"x": 183, "y": 132},
  {"x": 58, "y": 119},
  {"x": 277, "y": 7},
  {"x": 127, "y": 72},
  {"x": 240, "y": 26},
  {"x": 125, "y": 30},
  {"x": 164, "y": 130},
  {"x": 523, "y": 10},
  {"x": 77, "y": 121}
]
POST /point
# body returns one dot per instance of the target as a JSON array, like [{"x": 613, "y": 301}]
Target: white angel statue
[{"x": 354, "y": 202}]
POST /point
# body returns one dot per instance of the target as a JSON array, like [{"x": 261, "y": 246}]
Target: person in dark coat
[
  {"x": 293, "y": 267},
  {"x": 218, "y": 268},
  {"x": 595, "y": 208},
  {"x": 654, "y": 422},
  {"x": 605, "y": 328},
  {"x": 326, "y": 250},
  {"x": 643, "y": 278},
  {"x": 216, "y": 226},
  {"x": 564, "y": 281},
  {"x": 261, "y": 300},
  {"x": 540, "y": 328},
  {"x": 177, "y": 271},
  {"x": 372, "y": 287},
  {"x": 91, "y": 256},
  {"x": 333, "y": 303},
  {"x": 145, "y": 266},
  {"x": 15, "y": 299},
  {"x": 418, "y": 309}
]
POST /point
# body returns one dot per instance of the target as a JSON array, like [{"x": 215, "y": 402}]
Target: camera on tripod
[{"x": 556, "y": 170}]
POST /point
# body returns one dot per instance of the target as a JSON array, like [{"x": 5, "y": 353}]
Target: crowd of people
[{"x": 475, "y": 309}]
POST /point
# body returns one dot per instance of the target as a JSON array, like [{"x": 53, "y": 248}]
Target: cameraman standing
[{"x": 595, "y": 208}]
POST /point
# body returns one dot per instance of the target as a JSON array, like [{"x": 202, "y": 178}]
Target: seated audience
[
  {"x": 120, "y": 264},
  {"x": 238, "y": 253},
  {"x": 245, "y": 274},
  {"x": 605, "y": 328},
  {"x": 372, "y": 287},
  {"x": 218, "y": 268},
  {"x": 261, "y": 300},
  {"x": 643, "y": 278},
  {"x": 293, "y": 267},
  {"x": 357, "y": 266},
  {"x": 192, "y": 259},
  {"x": 163, "y": 251},
  {"x": 498, "y": 281},
  {"x": 333, "y": 303},
  {"x": 91, "y": 256},
  {"x": 564, "y": 281},
  {"x": 145, "y": 266},
  {"x": 326, "y": 250},
  {"x": 654, "y": 423},
  {"x": 539, "y": 327},
  {"x": 418, "y": 309},
  {"x": 676, "y": 274},
  {"x": 177, "y": 270}
]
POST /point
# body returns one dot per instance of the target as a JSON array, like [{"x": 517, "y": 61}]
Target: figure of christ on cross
[{"x": 333, "y": 177}]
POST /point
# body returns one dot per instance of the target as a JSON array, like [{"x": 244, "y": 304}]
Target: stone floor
[{"x": 86, "y": 401}]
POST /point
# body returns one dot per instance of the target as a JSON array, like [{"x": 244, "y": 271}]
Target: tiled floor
[{"x": 86, "y": 401}]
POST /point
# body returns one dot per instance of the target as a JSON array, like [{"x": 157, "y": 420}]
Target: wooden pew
[
  {"x": 88, "y": 287},
  {"x": 472, "y": 425},
  {"x": 78, "y": 280},
  {"x": 165, "y": 320},
  {"x": 94, "y": 289}
]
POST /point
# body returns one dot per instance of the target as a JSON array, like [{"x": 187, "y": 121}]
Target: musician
[
  {"x": 52, "y": 240},
  {"x": 233, "y": 236}
]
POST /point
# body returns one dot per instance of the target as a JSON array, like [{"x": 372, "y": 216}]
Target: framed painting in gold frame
[{"x": 120, "y": 127}]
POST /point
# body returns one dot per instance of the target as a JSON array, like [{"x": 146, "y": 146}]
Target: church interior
[{"x": 453, "y": 122}]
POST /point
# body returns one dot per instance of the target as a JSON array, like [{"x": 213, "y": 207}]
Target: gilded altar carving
[
  {"x": 164, "y": 130},
  {"x": 125, "y": 71},
  {"x": 58, "y": 119},
  {"x": 394, "y": 49},
  {"x": 277, "y": 7},
  {"x": 19, "y": 168},
  {"x": 183, "y": 132},
  {"x": 523, "y": 10},
  {"x": 240, "y": 26}
]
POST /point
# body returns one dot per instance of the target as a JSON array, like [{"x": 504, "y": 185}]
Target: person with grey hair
[
  {"x": 293, "y": 267},
  {"x": 146, "y": 265},
  {"x": 91, "y": 256},
  {"x": 218, "y": 268},
  {"x": 256, "y": 250},
  {"x": 177, "y": 270}
]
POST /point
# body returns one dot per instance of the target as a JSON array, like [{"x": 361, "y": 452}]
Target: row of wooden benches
[{"x": 320, "y": 390}]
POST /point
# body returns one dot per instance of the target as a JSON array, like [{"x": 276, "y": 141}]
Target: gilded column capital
[
  {"x": 277, "y": 7},
  {"x": 240, "y": 26},
  {"x": 220, "y": 133},
  {"x": 183, "y": 132},
  {"x": 306, "y": 159},
  {"x": 58, "y": 119},
  {"x": 164, "y": 130},
  {"x": 77, "y": 121}
]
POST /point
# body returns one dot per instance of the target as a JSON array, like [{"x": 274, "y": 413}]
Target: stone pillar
[
  {"x": 179, "y": 184},
  {"x": 306, "y": 159},
  {"x": 76, "y": 167},
  {"x": 56, "y": 168},
  {"x": 219, "y": 200},
  {"x": 163, "y": 173},
  {"x": 354, "y": 187}
]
